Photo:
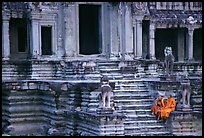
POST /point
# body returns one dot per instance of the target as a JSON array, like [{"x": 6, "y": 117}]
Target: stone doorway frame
[
  {"x": 104, "y": 25},
  {"x": 14, "y": 25}
]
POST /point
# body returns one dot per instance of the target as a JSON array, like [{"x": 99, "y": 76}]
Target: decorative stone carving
[
  {"x": 169, "y": 60},
  {"x": 191, "y": 20},
  {"x": 139, "y": 8},
  {"x": 106, "y": 92}
]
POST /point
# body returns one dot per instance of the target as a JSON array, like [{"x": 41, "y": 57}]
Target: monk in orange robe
[
  {"x": 159, "y": 104},
  {"x": 170, "y": 107}
]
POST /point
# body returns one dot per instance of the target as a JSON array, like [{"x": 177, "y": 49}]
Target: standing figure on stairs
[
  {"x": 106, "y": 92},
  {"x": 159, "y": 104},
  {"x": 170, "y": 107}
]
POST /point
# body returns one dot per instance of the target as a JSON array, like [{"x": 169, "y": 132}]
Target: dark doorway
[
  {"x": 145, "y": 39},
  {"x": 89, "y": 29},
  {"x": 163, "y": 38},
  {"x": 197, "y": 44},
  {"x": 22, "y": 39},
  {"x": 19, "y": 39},
  {"x": 46, "y": 35}
]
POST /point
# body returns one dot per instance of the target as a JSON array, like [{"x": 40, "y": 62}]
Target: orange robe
[
  {"x": 159, "y": 104},
  {"x": 170, "y": 106}
]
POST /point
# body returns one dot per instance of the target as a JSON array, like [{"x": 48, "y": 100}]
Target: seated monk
[
  {"x": 170, "y": 107},
  {"x": 159, "y": 104}
]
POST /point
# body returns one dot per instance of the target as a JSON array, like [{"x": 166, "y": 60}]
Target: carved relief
[{"x": 139, "y": 8}]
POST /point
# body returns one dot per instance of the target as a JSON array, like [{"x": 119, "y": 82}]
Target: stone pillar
[
  {"x": 138, "y": 38},
  {"x": 180, "y": 45},
  {"x": 114, "y": 34},
  {"x": 71, "y": 32},
  {"x": 134, "y": 39},
  {"x": 35, "y": 51},
  {"x": 61, "y": 28},
  {"x": 5, "y": 38},
  {"x": 152, "y": 40},
  {"x": 190, "y": 43},
  {"x": 123, "y": 31},
  {"x": 108, "y": 30}
]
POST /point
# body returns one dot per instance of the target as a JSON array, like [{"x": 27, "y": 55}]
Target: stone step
[
  {"x": 112, "y": 63},
  {"x": 131, "y": 88},
  {"x": 24, "y": 98},
  {"x": 136, "y": 110},
  {"x": 132, "y": 131},
  {"x": 130, "y": 81},
  {"x": 149, "y": 133},
  {"x": 39, "y": 119},
  {"x": 106, "y": 70},
  {"x": 107, "y": 67},
  {"x": 138, "y": 95},
  {"x": 132, "y": 100},
  {"x": 185, "y": 134},
  {"x": 24, "y": 115},
  {"x": 131, "y": 85},
  {"x": 141, "y": 116},
  {"x": 143, "y": 127},
  {"x": 118, "y": 103},
  {"x": 149, "y": 122},
  {"x": 130, "y": 91},
  {"x": 184, "y": 130},
  {"x": 29, "y": 107}
]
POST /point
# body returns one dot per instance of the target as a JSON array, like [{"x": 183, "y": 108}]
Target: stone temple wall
[
  {"x": 55, "y": 108},
  {"x": 31, "y": 107}
]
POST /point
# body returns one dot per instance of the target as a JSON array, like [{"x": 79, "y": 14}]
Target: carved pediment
[{"x": 139, "y": 8}]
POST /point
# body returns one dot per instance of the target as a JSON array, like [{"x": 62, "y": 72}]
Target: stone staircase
[
  {"x": 132, "y": 98},
  {"x": 110, "y": 69}
]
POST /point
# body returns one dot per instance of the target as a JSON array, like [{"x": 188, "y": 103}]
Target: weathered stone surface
[{"x": 132, "y": 96}]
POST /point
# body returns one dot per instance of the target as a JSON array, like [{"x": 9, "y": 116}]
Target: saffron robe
[
  {"x": 170, "y": 107},
  {"x": 159, "y": 104}
]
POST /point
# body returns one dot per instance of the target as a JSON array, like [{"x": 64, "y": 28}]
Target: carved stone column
[
  {"x": 114, "y": 34},
  {"x": 5, "y": 38},
  {"x": 134, "y": 38},
  {"x": 123, "y": 31},
  {"x": 108, "y": 30},
  {"x": 190, "y": 43},
  {"x": 152, "y": 40},
  {"x": 70, "y": 34},
  {"x": 139, "y": 10},
  {"x": 139, "y": 38},
  {"x": 35, "y": 51},
  {"x": 61, "y": 28}
]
